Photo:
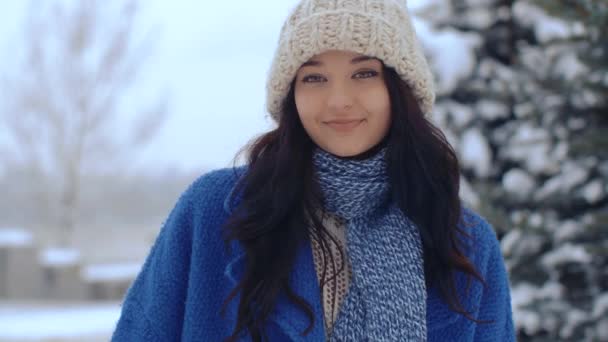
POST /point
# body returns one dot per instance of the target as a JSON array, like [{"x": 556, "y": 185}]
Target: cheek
[
  {"x": 378, "y": 103},
  {"x": 308, "y": 107}
]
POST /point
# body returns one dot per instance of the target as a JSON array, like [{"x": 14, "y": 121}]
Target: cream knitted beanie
[{"x": 377, "y": 28}]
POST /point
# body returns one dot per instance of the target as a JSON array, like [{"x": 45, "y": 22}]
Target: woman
[{"x": 346, "y": 223}]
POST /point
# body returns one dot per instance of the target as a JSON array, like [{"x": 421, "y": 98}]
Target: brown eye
[
  {"x": 366, "y": 74},
  {"x": 312, "y": 79}
]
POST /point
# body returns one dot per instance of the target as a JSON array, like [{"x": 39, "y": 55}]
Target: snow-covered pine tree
[
  {"x": 522, "y": 97},
  {"x": 578, "y": 75}
]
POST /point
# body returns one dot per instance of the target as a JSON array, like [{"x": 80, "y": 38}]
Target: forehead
[{"x": 337, "y": 56}]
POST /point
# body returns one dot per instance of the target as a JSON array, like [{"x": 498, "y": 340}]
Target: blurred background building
[{"x": 109, "y": 109}]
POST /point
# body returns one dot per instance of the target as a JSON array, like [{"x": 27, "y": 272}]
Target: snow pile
[
  {"x": 35, "y": 324},
  {"x": 15, "y": 237},
  {"x": 59, "y": 257},
  {"x": 111, "y": 272}
]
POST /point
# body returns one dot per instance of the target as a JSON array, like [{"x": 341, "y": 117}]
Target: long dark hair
[{"x": 280, "y": 201}]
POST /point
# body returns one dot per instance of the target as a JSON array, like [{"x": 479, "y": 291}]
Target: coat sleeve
[
  {"x": 495, "y": 303},
  {"x": 153, "y": 307}
]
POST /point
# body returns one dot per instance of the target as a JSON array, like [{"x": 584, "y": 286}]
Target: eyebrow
[{"x": 355, "y": 60}]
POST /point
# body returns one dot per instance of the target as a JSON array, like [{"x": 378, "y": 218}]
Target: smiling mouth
[{"x": 344, "y": 125}]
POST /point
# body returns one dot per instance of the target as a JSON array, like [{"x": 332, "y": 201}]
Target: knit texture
[
  {"x": 376, "y": 28},
  {"x": 334, "y": 273},
  {"x": 386, "y": 300},
  {"x": 179, "y": 292}
]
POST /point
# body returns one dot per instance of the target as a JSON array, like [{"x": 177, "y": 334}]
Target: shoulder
[
  {"x": 215, "y": 181},
  {"x": 477, "y": 226},
  {"x": 202, "y": 206},
  {"x": 481, "y": 243},
  {"x": 213, "y": 189}
]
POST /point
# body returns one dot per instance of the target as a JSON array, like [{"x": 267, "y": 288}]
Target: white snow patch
[
  {"x": 527, "y": 320},
  {"x": 576, "y": 123},
  {"x": 560, "y": 151},
  {"x": 531, "y": 145},
  {"x": 431, "y": 10},
  {"x": 588, "y": 219},
  {"x": 574, "y": 318},
  {"x": 600, "y": 306},
  {"x": 551, "y": 290},
  {"x": 479, "y": 18},
  {"x": 523, "y": 110},
  {"x": 566, "y": 253},
  {"x": 450, "y": 67},
  {"x": 59, "y": 257},
  {"x": 594, "y": 191},
  {"x": 524, "y": 293},
  {"x": 518, "y": 182},
  {"x": 439, "y": 117},
  {"x": 111, "y": 272},
  {"x": 572, "y": 174},
  {"x": 535, "y": 220},
  {"x": 550, "y": 187},
  {"x": 523, "y": 297},
  {"x": 460, "y": 114},
  {"x": 509, "y": 241},
  {"x": 531, "y": 245},
  {"x": 492, "y": 70},
  {"x": 601, "y": 328},
  {"x": 570, "y": 67},
  {"x": 567, "y": 230},
  {"x": 517, "y": 217},
  {"x": 15, "y": 237},
  {"x": 475, "y": 152},
  {"x": 417, "y": 5},
  {"x": 467, "y": 194},
  {"x": 18, "y": 323},
  {"x": 492, "y": 110},
  {"x": 545, "y": 26},
  {"x": 552, "y": 28}
]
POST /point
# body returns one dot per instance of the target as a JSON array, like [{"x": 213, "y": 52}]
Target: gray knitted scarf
[{"x": 386, "y": 300}]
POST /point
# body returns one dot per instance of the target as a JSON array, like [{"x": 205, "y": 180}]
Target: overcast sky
[{"x": 212, "y": 56}]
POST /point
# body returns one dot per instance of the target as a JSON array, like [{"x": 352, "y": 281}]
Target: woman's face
[{"x": 343, "y": 102}]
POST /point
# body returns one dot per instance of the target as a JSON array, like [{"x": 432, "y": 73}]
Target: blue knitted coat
[{"x": 179, "y": 292}]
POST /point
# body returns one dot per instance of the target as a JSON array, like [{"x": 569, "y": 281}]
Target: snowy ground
[{"x": 57, "y": 322}]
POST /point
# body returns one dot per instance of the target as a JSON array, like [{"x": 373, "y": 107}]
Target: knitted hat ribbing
[{"x": 377, "y": 28}]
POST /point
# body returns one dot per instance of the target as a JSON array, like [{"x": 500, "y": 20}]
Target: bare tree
[{"x": 65, "y": 104}]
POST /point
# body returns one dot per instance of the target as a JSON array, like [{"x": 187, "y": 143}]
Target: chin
[{"x": 346, "y": 151}]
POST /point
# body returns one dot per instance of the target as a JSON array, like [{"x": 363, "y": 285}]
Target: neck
[{"x": 369, "y": 153}]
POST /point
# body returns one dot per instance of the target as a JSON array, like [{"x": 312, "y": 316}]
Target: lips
[{"x": 344, "y": 125}]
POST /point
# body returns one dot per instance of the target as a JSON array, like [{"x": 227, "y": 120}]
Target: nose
[{"x": 339, "y": 98}]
